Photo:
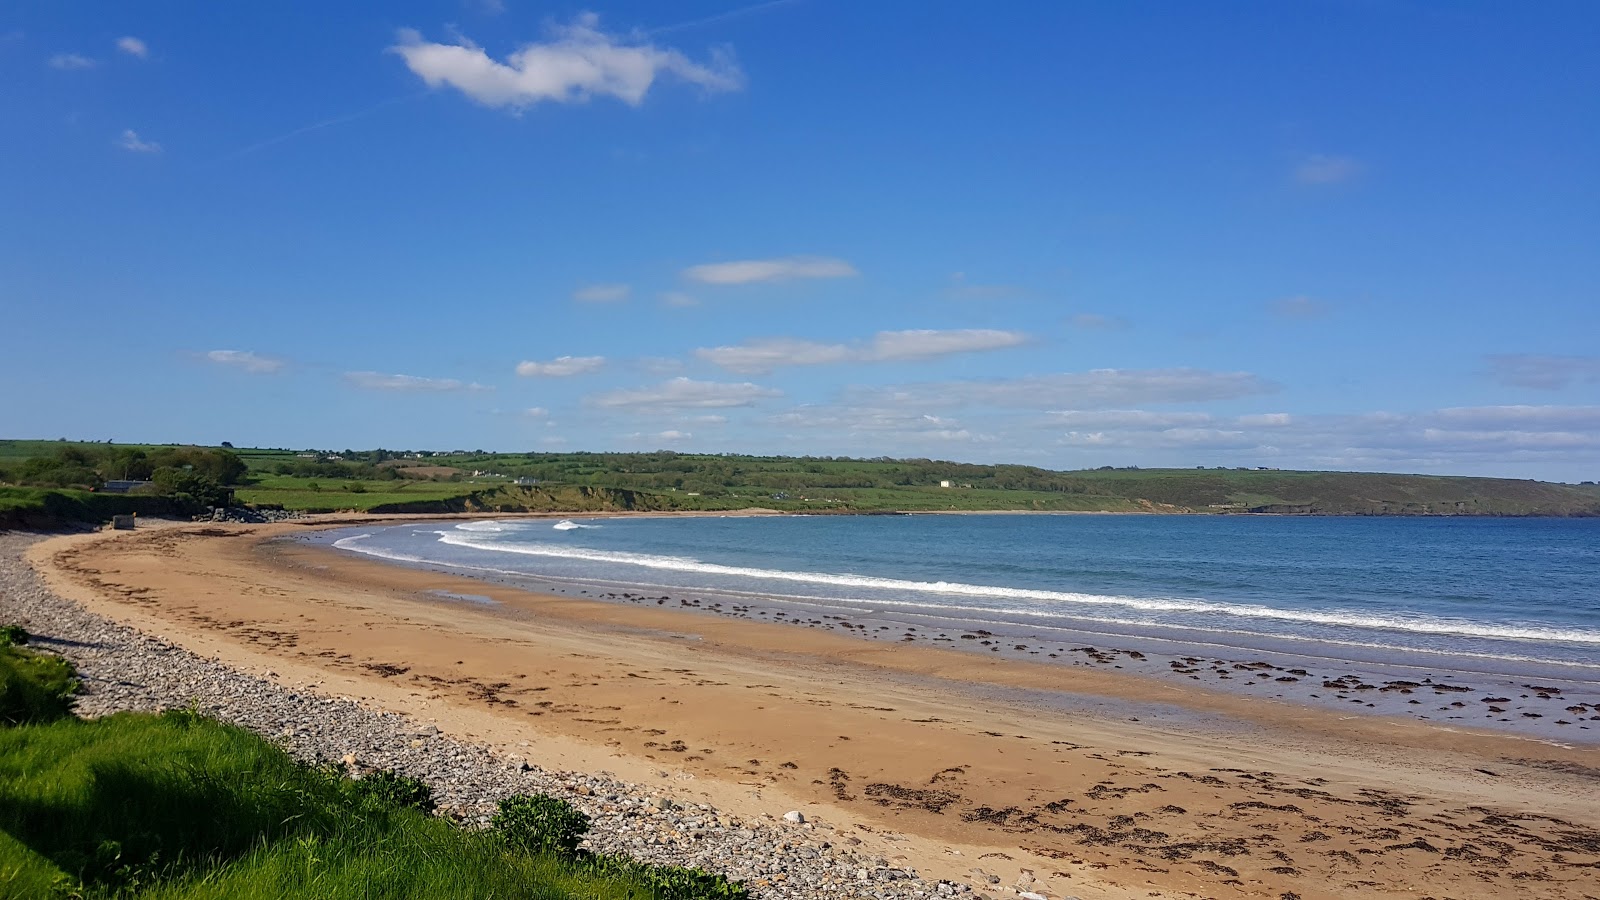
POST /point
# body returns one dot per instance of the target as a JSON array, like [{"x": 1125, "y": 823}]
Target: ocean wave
[
  {"x": 492, "y": 526},
  {"x": 1061, "y": 602},
  {"x": 569, "y": 525}
]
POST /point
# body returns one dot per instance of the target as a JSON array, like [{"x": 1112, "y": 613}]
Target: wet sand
[{"x": 1088, "y": 780}]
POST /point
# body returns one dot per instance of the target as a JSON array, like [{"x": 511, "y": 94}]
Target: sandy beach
[{"x": 1003, "y": 773}]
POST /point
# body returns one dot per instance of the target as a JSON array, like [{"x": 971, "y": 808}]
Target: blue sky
[{"x": 1353, "y": 235}]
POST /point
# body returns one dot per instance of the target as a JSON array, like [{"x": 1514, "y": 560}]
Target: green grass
[
  {"x": 179, "y": 807},
  {"x": 34, "y": 687},
  {"x": 333, "y": 495},
  {"x": 175, "y": 806}
]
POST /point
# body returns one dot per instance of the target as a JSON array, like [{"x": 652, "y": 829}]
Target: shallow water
[{"x": 1515, "y": 599}]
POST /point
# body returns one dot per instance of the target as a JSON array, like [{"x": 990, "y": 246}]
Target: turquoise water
[{"x": 1500, "y": 591}]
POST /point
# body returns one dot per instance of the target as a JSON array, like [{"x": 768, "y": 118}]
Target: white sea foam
[
  {"x": 491, "y": 526},
  {"x": 1055, "y": 603},
  {"x": 569, "y": 525}
]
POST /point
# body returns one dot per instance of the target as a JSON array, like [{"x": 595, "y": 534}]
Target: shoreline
[
  {"x": 1543, "y": 700},
  {"x": 850, "y": 730}
]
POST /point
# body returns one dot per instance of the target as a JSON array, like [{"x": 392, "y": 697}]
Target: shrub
[
  {"x": 670, "y": 882},
  {"x": 34, "y": 687},
  {"x": 386, "y": 788},
  {"x": 13, "y": 636},
  {"x": 541, "y": 824}
]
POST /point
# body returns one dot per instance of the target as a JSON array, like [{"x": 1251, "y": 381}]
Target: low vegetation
[
  {"x": 476, "y": 481},
  {"x": 176, "y": 806}
]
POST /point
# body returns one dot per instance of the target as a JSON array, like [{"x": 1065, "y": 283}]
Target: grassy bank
[
  {"x": 43, "y": 508},
  {"x": 178, "y": 807}
]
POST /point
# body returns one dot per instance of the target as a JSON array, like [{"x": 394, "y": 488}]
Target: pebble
[{"x": 124, "y": 669}]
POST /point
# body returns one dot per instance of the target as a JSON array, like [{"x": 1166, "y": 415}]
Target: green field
[
  {"x": 386, "y": 481},
  {"x": 322, "y": 495}
]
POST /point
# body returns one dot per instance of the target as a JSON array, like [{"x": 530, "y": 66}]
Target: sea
[{"x": 1517, "y": 599}]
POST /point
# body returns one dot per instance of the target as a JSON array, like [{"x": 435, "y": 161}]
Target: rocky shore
[{"x": 778, "y": 855}]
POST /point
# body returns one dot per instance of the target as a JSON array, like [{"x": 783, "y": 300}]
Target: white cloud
[
  {"x": 577, "y": 62},
  {"x": 673, "y": 435},
  {"x": 761, "y": 356},
  {"x": 1266, "y": 420},
  {"x": 1128, "y": 419},
  {"x": 133, "y": 47},
  {"x": 1301, "y": 307},
  {"x": 1095, "y": 389},
  {"x": 1544, "y": 372},
  {"x": 246, "y": 360},
  {"x": 561, "y": 366},
  {"x": 1323, "y": 169},
  {"x": 377, "y": 381},
  {"x": 898, "y": 427},
  {"x": 928, "y": 344},
  {"x": 750, "y": 271},
  {"x": 1520, "y": 417},
  {"x": 536, "y": 412},
  {"x": 678, "y": 299},
  {"x": 68, "y": 62},
  {"x": 686, "y": 393},
  {"x": 602, "y": 293},
  {"x": 131, "y": 142},
  {"x": 660, "y": 365},
  {"x": 1097, "y": 322}
]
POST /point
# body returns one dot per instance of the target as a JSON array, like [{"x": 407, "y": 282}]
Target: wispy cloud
[
  {"x": 246, "y": 360},
  {"x": 377, "y": 381},
  {"x": 1299, "y": 308},
  {"x": 1095, "y": 389},
  {"x": 602, "y": 293},
  {"x": 659, "y": 365},
  {"x": 561, "y": 366},
  {"x": 1543, "y": 371},
  {"x": 897, "y": 426},
  {"x": 129, "y": 140},
  {"x": 1520, "y": 418},
  {"x": 133, "y": 47},
  {"x": 1097, "y": 322},
  {"x": 786, "y": 268},
  {"x": 760, "y": 356},
  {"x": 686, "y": 393},
  {"x": 727, "y": 16},
  {"x": 325, "y": 123},
  {"x": 68, "y": 62},
  {"x": 536, "y": 412},
  {"x": 1324, "y": 169},
  {"x": 678, "y": 299},
  {"x": 962, "y": 289},
  {"x": 577, "y": 62}
]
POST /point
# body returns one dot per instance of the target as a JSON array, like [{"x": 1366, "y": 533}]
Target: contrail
[
  {"x": 316, "y": 126},
  {"x": 739, "y": 13}
]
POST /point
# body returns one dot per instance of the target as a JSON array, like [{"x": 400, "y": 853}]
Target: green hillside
[{"x": 390, "y": 481}]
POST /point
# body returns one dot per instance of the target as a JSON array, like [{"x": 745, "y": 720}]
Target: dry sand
[{"x": 1095, "y": 783}]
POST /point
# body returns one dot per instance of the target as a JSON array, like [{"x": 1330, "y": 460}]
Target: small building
[
  {"x": 947, "y": 483},
  {"x": 123, "y": 487}
]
